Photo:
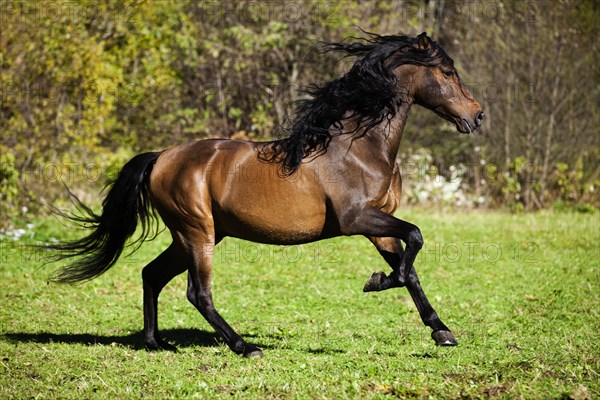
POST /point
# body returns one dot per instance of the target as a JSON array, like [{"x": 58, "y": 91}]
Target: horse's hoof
[
  {"x": 444, "y": 338},
  {"x": 252, "y": 351},
  {"x": 375, "y": 282}
]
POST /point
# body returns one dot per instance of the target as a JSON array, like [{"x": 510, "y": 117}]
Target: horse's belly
[{"x": 273, "y": 222}]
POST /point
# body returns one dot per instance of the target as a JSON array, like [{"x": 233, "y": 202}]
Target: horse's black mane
[{"x": 367, "y": 92}]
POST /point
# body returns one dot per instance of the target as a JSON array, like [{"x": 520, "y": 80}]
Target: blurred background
[{"x": 87, "y": 85}]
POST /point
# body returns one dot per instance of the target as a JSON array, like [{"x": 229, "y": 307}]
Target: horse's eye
[{"x": 448, "y": 73}]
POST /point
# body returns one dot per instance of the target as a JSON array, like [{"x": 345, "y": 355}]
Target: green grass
[{"x": 521, "y": 293}]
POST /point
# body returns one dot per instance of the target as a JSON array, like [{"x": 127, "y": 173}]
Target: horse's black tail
[{"x": 126, "y": 203}]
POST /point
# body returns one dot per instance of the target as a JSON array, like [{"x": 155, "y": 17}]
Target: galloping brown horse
[{"x": 336, "y": 174}]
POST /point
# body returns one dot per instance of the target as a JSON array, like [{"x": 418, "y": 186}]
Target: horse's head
[
  {"x": 391, "y": 71},
  {"x": 436, "y": 85}
]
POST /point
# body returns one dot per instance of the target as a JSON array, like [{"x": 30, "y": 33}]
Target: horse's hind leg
[
  {"x": 156, "y": 275},
  {"x": 199, "y": 294},
  {"x": 392, "y": 251}
]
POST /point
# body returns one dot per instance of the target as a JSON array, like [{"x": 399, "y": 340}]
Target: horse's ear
[{"x": 424, "y": 41}]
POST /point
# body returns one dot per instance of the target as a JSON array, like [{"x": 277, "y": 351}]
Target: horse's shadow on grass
[{"x": 180, "y": 337}]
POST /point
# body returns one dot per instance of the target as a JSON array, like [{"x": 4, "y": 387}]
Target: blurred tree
[
  {"x": 86, "y": 84},
  {"x": 534, "y": 66}
]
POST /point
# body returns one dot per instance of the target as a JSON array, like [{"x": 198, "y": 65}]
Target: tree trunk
[{"x": 551, "y": 124}]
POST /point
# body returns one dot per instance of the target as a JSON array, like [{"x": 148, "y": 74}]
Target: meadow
[{"x": 521, "y": 293}]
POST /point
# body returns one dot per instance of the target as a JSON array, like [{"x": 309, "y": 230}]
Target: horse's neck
[{"x": 383, "y": 141}]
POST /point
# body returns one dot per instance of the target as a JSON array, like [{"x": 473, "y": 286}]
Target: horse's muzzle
[{"x": 466, "y": 125}]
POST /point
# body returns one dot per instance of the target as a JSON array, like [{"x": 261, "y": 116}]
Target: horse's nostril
[{"x": 479, "y": 118}]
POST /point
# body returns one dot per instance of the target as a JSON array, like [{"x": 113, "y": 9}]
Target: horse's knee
[
  {"x": 415, "y": 239},
  {"x": 199, "y": 299}
]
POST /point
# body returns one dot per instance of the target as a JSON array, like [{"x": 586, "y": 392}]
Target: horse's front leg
[
  {"x": 391, "y": 250},
  {"x": 386, "y": 231},
  {"x": 372, "y": 222}
]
